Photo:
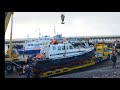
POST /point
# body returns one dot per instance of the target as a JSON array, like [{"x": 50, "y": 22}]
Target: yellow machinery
[
  {"x": 11, "y": 53},
  {"x": 11, "y": 59},
  {"x": 102, "y": 52}
]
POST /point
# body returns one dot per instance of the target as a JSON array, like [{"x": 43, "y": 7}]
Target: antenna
[
  {"x": 39, "y": 32},
  {"x": 28, "y": 36},
  {"x": 54, "y": 30}
]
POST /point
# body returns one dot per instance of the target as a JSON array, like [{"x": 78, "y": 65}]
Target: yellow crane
[
  {"x": 7, "y": 18},
  {"x": 11, "y": 53},
  {"x": 11, "y": 59}
]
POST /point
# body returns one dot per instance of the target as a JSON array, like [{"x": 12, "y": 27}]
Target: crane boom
[
  {"x": 7, "y": 19},
  {"x": 9, "y": 15}
]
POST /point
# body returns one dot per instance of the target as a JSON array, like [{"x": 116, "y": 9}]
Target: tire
[
  {"x": 101, "y": 59},
  {"x": 9, "y": 67},
  {"x": 109, "y": 57},
  {"x": 97, "y": 61},
  {"x": 18, "y": 67}
]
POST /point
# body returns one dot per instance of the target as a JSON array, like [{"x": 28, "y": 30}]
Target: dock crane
[
  {"x": 11, "y": 58},
  {"x": 7, "y": 18},
  {"x": 11, "y": 53}
]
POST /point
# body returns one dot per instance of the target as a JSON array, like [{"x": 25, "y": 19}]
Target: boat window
[
  {"x": 44, "y": 43},
  {"x": 54, "y": 48},
  {"x": 70, "y": 47},
  {"x": 99, "y": 49},
  {"x": 59, "y": 47},
  {"x": 28, "y": 44},
  {"x": 67, "y": 47},
  {"x": 63, "y": 47},
  {"x": 31, "y": 44}
]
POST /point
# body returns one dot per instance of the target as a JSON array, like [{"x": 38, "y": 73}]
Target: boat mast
[
  {"x": 39, "y": 32},
  {"x": 28, "y": 37},
  {"x": 54, "y": 30}
]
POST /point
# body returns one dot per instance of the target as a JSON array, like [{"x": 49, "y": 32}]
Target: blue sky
[{"x": 76, "y": 24}]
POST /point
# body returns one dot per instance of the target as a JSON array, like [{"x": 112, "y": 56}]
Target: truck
[{"x": 102, "y": 52}]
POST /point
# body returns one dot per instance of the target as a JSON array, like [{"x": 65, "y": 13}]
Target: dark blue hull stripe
[{"x": 29, "y": 52}]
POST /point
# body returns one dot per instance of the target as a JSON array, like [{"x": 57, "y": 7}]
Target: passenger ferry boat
[
  {"x": 61, "y": 54},
  {"x": 34, "y": 46}
]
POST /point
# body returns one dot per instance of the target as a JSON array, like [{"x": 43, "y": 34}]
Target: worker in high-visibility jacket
[{"x": 38, "y": 56}]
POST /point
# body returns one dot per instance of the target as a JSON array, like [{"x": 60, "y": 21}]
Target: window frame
[
  {"x": 67, "y": 47},
  {"x": 54, "y": 47},
  {"x": 59, "y": 47},
  {"x": 63, "y": 47},
  {"x": 70, "y": 47}
]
